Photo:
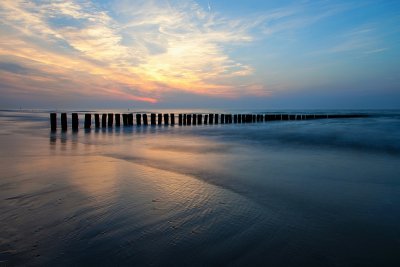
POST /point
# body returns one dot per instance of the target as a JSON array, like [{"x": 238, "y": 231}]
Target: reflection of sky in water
[{"x": 183, "y": 195}]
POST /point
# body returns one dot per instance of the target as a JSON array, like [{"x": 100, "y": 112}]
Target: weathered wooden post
[
  {"x": 110, "y": 119},
  {"x": 172, "y": 118},
  {"x": 117, "y": 120},
  {"x": 97, "y": 120},
  {"x": 103, "y": 120},
  {"x": 235, "y": 118},
  {"x": 153, "y": 119},
  {"x": 189, "y": 119},
  {"x": 180, "y": 119},
  {"x": 88, "y": 120},
  {"x": 239, "y": 118},
  {"x": 216, "y": 119},
  {"x": 222, "y": 118},
  {"x": 194, "y": 119},
  {"x": 159, "y": 118},
  {"x": 184, "y": 119},
  {"x": 64, "y": 123},
  {"x": 53, "y": 122},
  {"x": 166, "y": 121},
  {"x": 130, "y": 119},
  {"x": 125, "y": 119},
  {"x": 145, "y": 121},
  {"x": 75, "y": 121},
  {"x": 199, "y": 119},
  {"x": 211, "y": 118},
  {"x": 205, "y": 119},
  {"x": 138, "y": 119}
]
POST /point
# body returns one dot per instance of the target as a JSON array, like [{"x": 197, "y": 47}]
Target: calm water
[{"x": 293, "y": 193}]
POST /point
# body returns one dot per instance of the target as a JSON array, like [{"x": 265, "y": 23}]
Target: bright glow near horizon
[{"x": 53, "y": 53}]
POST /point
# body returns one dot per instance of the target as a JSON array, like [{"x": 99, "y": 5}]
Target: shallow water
[{"x": 286, "y": 193}]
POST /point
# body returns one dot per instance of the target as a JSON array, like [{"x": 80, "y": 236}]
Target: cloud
[{"x": 139, "y": 50}]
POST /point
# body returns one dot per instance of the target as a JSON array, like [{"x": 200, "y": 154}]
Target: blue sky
[{"x": 264, "y": 54}]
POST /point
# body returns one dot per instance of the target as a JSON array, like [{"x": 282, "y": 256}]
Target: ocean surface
[{"x": 282, "y": 193}]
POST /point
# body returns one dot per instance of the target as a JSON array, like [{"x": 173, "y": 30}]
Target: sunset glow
[{"x": 53, "y": 52}]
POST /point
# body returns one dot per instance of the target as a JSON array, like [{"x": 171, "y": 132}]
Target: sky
[{"x": 200, "y": 54}]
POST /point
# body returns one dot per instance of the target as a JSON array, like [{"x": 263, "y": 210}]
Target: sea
[{"x": 278, "y": 193}]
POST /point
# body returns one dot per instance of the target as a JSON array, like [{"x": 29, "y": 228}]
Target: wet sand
[{"x": 160, "y": 196}]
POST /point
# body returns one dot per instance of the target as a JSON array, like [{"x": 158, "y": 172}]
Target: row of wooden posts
[{"x": 111, "y": 119}]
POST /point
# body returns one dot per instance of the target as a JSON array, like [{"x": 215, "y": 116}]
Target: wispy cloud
[{"x": 145, "y": 50}]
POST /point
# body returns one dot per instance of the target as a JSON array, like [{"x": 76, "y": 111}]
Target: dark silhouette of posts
[
  {"x": 97, "y": 120},
  {"x": 138, "y": 119},
  {"x": 239, "y": 118},
  {"x": 205, "y": 119},
  {"x": 166, "y": 121},
  {"x": 194, "y": 119},
  {"x": 184, "y": 119},
  {"x": 180, "y": 119},
  {"x": 118, "y": 120},
  {"x": 145, "y": 122},
  {"x": 159, "y": 119},
  {"x": 222, "y": 118},
  {"x": 125, "y": 119},
  {"x": 103, "y": 120},
  {"x": 153, "y": 119},
  {"x": 211, "y": 118},
  {"x": 189, "y": 119},
  {"x": 88, "y": 120},
  {"x": 172, "y": 118},
  {"x": 110, "y": 119},
  {"x": 53, "y": 122},
  {"x": 64, "y": 123},
  {"x": 75, "y": 121},
  {"x": 216, "y": 118},
  {"x": 130, "y": 119},
  {"x": 235, "y": 118},
  {"x": 199, "y": 119}
]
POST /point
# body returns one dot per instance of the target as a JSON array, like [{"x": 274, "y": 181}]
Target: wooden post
[
  {"x": 130, "y": 119},
  {"x": 110, "y": 119},
  {"x": 166, "y": 121},
  {"x": 172, "y": 118},
  {"x": 199, "y": 119},
  {"x": 64, "y": 123},
  {"x": 222, "y": 118},
  {"x": 88, "y": 120},
  {"x": 145, "y": 122},
  {"x": 75, "y": 121},
  {"x": 138, "y": 119},
  {"x": 239, "y": 118},
  {"x": 117, "y": 120},
  {"x": 159, "y": 119},
  {"x": 53, "y": 122},
  {"x": 97, "y": 120},
  {"x": 211, "y": 118},
  {"x": 216, "y": 119},
  {"x": 205, "y": 119},
  {"x": 103, "y": 120},
  {"x": 125, "y": 119},
  {"x": 189, "y": 119},
  {"x": 235, "y": 118},
  {"x": 153, "y": 119},
  {"x": 194, "y": 119},
  {"x": 184, "y": 119},
  {"x": 180, "y": 119}
]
